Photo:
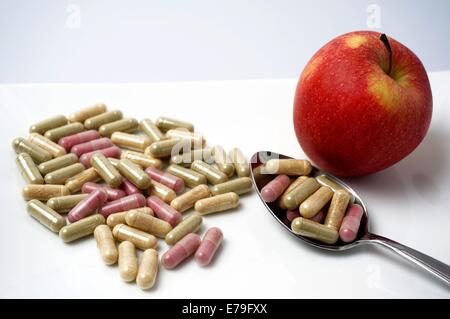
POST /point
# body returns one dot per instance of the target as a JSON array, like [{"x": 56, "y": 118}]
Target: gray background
[{"x": 148, "y": 41}]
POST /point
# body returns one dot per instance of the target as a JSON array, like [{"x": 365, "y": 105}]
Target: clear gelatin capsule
[
  {"x": 63, "y": 204},
  {"x": 191, "y": 178},
  {"x": 90, "y": 146},
  {"x": 218, "y": 203},
  {"x": 81, "y": 228},
  {"x": 167, "y": 179},
  {"x": 293, "y": 167},
  {"x": 48, "y": 124},
  {"x": 28, "y": 169},
  {"x": 142, "y": 159},
  {"x": 110, "y": 152},
  {"x": 314, "y": 203},
  {"x": 129, "y": 188},
  {"x": 350, "y": 224},
  {"x": 196, "y": 139},
  {"x": 87, "y": 112},
  {"x": 124, "y": 125},
  {"x": 45, "y": 215},
  {"x": 151, "y": 130},
  {"x": 113, "y": 193},
  {"x": 140, "y": 239},
  {"x": 223, "y": 161},
  {"x": 337, "y": 209},
  {"x": 187, "y": 200},
  {"x": 79, "y": 138},
  {"x": 75, "y": 183},
  {"x": 94, "y": 122},
  {"x": 240, "y": 162},
  {"x": 147, "y": 223},
  {"x": 291, "y": 200},
  {"x": 123, "y": 204},
  {"x": 166, "y": 123},
  {"x": 106, "y": 244},
  {"x": 190, "y": 224},
  {"x": 311, "y": 229},
  {"x": 131, "y": 141},
  {"x": 128, "y": 263},
  {"x": 88, "y": 206},
  {"x": 213, "y": 175},
  {"x": 161, "y": 191},
  {"x": 134, "y": 173},
  {"x": 46, "y": 144},
  {"x": 37, "y": 153},
  {"x": 164, "y": 148},
  {"x": 148, "y": 269},
  {"x": 106, "y": 170},
  {"x": 119, "y": 218},
  {"x": 164, "y": 211},
  {"x": 57, "y": 163},
  {"x": 63, "y": 131},
  {"x": 208, "y": 246},
  {"x": 44, "y": 192},
  {"x": 60, "y": 176},
  {"x": 240, "y": 186},
  {"x": 275, "y": 188},
  {"x": 183, "y": 249}
]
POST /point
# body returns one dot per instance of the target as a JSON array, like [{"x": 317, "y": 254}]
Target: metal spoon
[{"x": 433, "y": 266}]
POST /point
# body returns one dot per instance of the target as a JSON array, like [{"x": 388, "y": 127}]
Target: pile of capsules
[
  {"x": 316, "y": 207},
  {"x": 110, "y": 175}
]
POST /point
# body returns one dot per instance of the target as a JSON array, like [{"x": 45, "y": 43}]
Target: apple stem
[{"x": 386, "y": 43}]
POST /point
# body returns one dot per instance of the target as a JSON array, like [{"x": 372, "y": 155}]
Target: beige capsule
[
  {"x": 162, "y": 191},
  {"x": 45, "y": 215},
  {"x": 166, "y": 123},
  {"x": 61, "y": 175},
  {"x": 63, "y": 131},
  {"x": 106, "y": 170},
  {"x": 46, "y": 144},
  {"x": 128, "y": 263},
  {"x": 87, "y": 112},
  {"x": 94, "y": 122},
  {"x": 186, "y": 159},
  {"x": 38, "y": 154},
  {"x": 142, "y": 159},
  {"x": 151, "y": 130},
  {"x": 28, "y": 169},
  {"x": 148, "y": 223},
  {"x": 190, "y": 224},
  {"x": 131, "y": 141},
  {"x": 165, "y": 148},
  {"x": 337, "y": 209},
  {"x": 48, "y": 124},
  {"x": 240, "y": 162},
  {"x": 63, "y": 204},
  {"x": 75, "y": 183},
  {"x": 140, "y": 239},
  {"x": 291, "y": 186},
  {"x": 106, "y": 244},
  {"x": 114, "y": 161},
  {"x": 223, "y": 161},
  {"x": 148, "y": 269},
  {"x": 288, "y": 167},
  {"x": 311, "y": 229},
  {"x": 213, "y": 175},
  {"x": 119, "y": 218},
  {"x": 196, "y": 139},
  {"x": 301, "y": 192},
  {"x": 217, "y": 203},
  {"x": 134, "y": 174},
  {"x": 314, "y": 203},
  {"x": 82, "y": 228},
  {"x": 187, "y": 200},
  {"x": 190, "y": 177},
  {"x": 240, "y": 185},
  {"x": 44, "y": 192},
  {"x": 57, "y": 163},
  {"x": 123, "y": 125},
  {"x": 325, "y": 181}
]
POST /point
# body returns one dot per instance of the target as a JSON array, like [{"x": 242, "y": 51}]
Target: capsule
[
  {"x": 260, "y": 177},
  {"x": 131, "y": 141},
  {"x": 350, "y": 224},
  {"x": 169, "y": 180},
  {"x": 301, "y": 192},
  {"x": 123, "y": 204},
  {"x": 325, "y": 181},
  {"x": 240, "y": 162},
  {"x": 275, "y": 188},
  {"x": 87, "y": 112},
  {"x": 81, "y": 228},
  {"x": 60, "y": 176},
  {"x": 164, "y": 148},
  {"x": 337, "y": 209},
  {"x": 37, "y": 153},
  {"x": 94, "y": 122},
  {"x": 314, "y": 203},
  {"x": 213, "y": 175},
  {"x": 113, "y": 193},
  {"x": 217, "y": 203},
  {"x": 186, "y": 159},
  {"x": 282, "y": 200},
  {"x": 161, "y": 191},
  {"x": 129, "y": 188},
  {"x": 319, "y": 217},
  {"x": 311, "y": 229},
  {"x": 119, "y": 218},
  {"x": 57, "y": 163},
  {"x": 128, "y": 263},
  {"x": 196, "y": 139},
  {"x": 151, "y": 130},
  {"x": 63, "y": 131},
  {"x": 208, "y": 246},
  {"x": 114, "y": 162},
  {"x": 190, "y": 177},
  {"x": 88, "y": 206},
  {"x": 45, "y": 215},
  {"x": 187, "y": 200},
  {"x": 110, "y": 152},
  {"x": 291, "y": 167},
  {"x": 46, "y": 144},
  {"x": 28, "y": 169},
  {"x": 164, "y": 211},
  {"x": 147, "y": 223},
  {"x": 107, "y": 171},
  {"x": 148, "y": 269},
  {"x": 223, "y": 161},
  {"x": 140, "y": 239},
  {"x": 63, "y": 204},
  {"x": 165, "y": 124},
  {"x": 79, "y": 138},
  {"x": 106, "y": 244},
  {"x": 44, "y": 192},
  {"x": 185, "y": 248},
  {"x": 75, "y": 183},
  {"x": 90, "y": 146},
  {"x": 134, "y": 174},
  {"x": 190, "y": 224},
  {"x": 142, "y": 159},
  {"x": 292, "y": 214},
  {"x": 124, "y": 125},
  {"x": 48, "y": 124},
  {"x": 240, "y": 186}
]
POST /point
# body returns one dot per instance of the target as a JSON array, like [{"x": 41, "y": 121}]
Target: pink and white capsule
[
  {"x": 169, "y": 180},
  {"x": 208, "y": 247},
  {"x": 275, "y": 188},
  {"x": 164, "y": 211},
  {"x": 88, "y": 206},
  {"x": 180, "y": 251},
  {"x": 123, "y": 204},
  {"x": 69, "y": 141},
  {"x": 93, "y": 145},
  {"x": 113, "y": 193},
  {"x": 350, "y": 224},
  {"x": 112, "y": 151}
]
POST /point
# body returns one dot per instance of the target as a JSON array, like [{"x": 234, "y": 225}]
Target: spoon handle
[{"x": 433, "y": 266}]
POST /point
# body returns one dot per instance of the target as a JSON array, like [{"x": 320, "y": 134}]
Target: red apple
[{"x": 363, "y": 103}]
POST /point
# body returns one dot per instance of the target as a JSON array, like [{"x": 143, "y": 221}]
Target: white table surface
[{"x": 408, "y": 203}]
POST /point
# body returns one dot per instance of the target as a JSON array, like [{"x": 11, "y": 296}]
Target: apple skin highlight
[{"x": 351, "y": 118}]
